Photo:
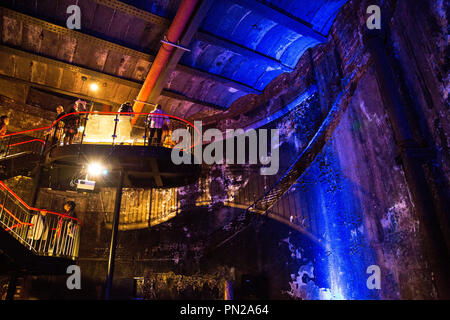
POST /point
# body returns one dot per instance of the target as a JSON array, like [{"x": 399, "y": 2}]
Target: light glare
[
  {"x": 94, "y": 87},
  {"x": 95, "y": 169}
]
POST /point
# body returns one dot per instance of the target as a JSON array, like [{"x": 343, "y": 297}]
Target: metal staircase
[
  {"x": 42, "y": 232},
  {"x": 269, "y": 198},
  {"x": 19, "y": 154},
  {"x": 33, "y": 240}
]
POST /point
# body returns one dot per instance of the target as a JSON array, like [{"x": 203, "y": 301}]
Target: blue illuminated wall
[
  {"x": 338, "y": 218},
  {"x": 331, "y": 205}
]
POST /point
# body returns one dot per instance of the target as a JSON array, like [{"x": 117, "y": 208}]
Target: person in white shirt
[
  {"x": 156, "y": 124},
  {"x": 38, "y": 232}
]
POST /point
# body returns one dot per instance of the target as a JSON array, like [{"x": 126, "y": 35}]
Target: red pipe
[{"x": 176, "y": 29}]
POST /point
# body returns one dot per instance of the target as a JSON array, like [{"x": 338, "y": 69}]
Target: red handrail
[
  {"x": 15, "y": 218},
  {"x": 28, "y": 141},
  {"x": 105, "y": 113},
  {"x": 4, "y": 186}
]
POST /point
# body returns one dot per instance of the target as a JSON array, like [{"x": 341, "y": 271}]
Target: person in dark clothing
[
  {"x": 69, "y": 209},
  {"x": 64, "y": 238},
  {"x": 56, "y": 131},
  {"x": 4, "y": 122},
  {"x": 71, "y": 125},
  {"x": 124, "y": 125},
  {"x": 59, "y": 112},
  {"x": 126, "y": 107}
]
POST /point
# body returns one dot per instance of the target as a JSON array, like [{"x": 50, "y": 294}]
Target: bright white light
[
  {"x": 94, "y": 86},
  {"x": 80, "y": 129},
  {"x": 95, "y": 169}
]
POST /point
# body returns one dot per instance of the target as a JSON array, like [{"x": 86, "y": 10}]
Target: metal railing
[
  {"x": 114, "y": 128},
  {"x": 43, "y": 232},
  {"x": 96, "y": 127},
  {"x": 15, "y": 144}
]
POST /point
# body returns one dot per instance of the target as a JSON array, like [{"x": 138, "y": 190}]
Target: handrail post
[
  {"x": 86, "y": 118},
  {"x": 115, "y": 228},
  {"x": 55, "y": 129},
  {"x": 146, "y": 130},
  {"x": 4, "y": 202},
  {"x": 44, "y": 146},
  {"x": 7, "y": 146},
  {"x": 116, "y": 120},
  {"x": 37, "y": 180},
  {"x": 3, "y": 147}
]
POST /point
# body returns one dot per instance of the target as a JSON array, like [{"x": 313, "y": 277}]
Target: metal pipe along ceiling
[{"x": 176, "y": 29}]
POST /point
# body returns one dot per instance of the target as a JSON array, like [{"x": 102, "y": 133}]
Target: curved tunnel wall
[{"x": 278, "y": 47}]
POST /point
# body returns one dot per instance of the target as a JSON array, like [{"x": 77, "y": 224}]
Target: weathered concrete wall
[
  {"x": 355, "y": 188},
  {"x": 24, "y": 117}
]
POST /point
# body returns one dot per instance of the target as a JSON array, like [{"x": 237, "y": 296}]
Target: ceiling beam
[
  {"x": 124, "y": 50},
  {"x": 217, "y": 78},
  {"x": 241, "y": 50},
  {"x": 281, "y": 17},
  {"x": 133, "y": 11},
  {"x": 57, "y": 90},
  {"x": 63, "y": 31},
  {"x": 94, "y": 75},
  {"x": 181, "y": 97}
]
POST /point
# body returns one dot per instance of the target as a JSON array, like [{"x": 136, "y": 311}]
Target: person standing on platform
[
  {"x": 56, "y": 132},
  {"x": 72, "y": 122},
  {"x": 156, "y": 122},
  {"x": 124, "y": 124}
]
